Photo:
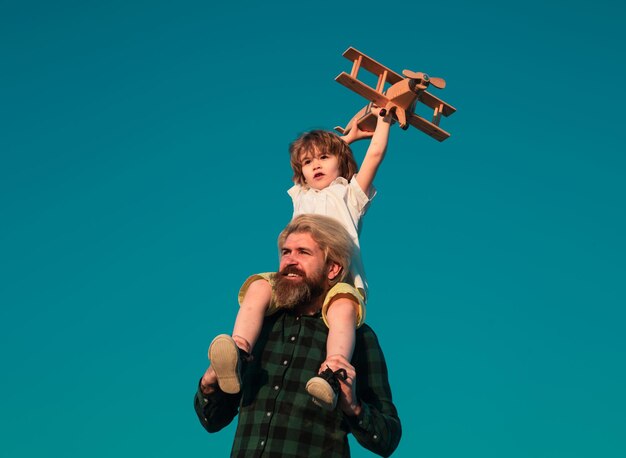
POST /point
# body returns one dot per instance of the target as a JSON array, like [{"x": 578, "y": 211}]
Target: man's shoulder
[
  {"x": 366, "y": 334},
  {"x": 368, "y": 353},
  {"x": 366, "y": 328}
]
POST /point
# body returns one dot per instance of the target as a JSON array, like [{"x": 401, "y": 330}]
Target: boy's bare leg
[
  {"x": 225, "y": 351},
  {"x": 341, "y": 317},
  {"x": 251, "y": 313}
]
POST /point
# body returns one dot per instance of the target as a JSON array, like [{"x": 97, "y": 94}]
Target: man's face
[{"x": 303, "y": 273}]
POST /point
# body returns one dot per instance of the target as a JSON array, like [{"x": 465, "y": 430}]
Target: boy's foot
[
  {"x": 224, "y": 356},
  {"x": 324, "y": 388}
]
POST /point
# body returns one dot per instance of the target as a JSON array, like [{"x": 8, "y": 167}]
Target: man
[{"x": 276, "y": 416}]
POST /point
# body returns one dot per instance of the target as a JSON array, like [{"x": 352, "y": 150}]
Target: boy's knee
[
  {"x": 343, "y": 305},
  {"x": 259, "y": 291}
]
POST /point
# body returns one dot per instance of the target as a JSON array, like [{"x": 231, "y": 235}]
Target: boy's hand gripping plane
[{"x": 398, "y": 100}]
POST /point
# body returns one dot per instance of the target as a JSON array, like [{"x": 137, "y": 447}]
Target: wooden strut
[
  {"x": 355, "y": 67},
  {"x": 382, "y": 79},
  {"x": 437, "y": 114}
]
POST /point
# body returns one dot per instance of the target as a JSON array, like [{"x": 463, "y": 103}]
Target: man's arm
[
  {"x": 215, "y": 409},
  {"x": 367, "y": 405}
]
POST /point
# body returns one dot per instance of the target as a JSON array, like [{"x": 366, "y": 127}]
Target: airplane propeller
[{"x": 439, "y": 83}]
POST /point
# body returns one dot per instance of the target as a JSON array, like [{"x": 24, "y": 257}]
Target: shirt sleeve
[
  {"x": 357, "y": 198},
  {"x": 377, "y": 427},
  {"x": 216, "y": 410},
  {"x": 294, "y": 192},
  {"x": 267, "y": 276},
  {"x": 357, "y": 297}
]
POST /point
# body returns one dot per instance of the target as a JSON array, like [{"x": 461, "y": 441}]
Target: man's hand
[
  {"x": 348, "y": 401},
  {"x": 208, "y": 383}
]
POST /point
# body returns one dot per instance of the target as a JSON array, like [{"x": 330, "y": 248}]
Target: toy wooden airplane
[{"x": 399, "y": 99}]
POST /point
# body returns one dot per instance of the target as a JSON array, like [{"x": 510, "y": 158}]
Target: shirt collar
[{"x": 338, "y": 180}]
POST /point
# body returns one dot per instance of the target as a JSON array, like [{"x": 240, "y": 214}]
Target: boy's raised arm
[{"x": 375, "y": 153}]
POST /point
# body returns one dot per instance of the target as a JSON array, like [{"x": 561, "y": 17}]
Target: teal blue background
[{"x": 143, "y": 175}]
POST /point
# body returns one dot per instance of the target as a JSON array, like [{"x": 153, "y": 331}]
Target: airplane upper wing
[
  {"x": 372, "y": 66},
  {"x": 362, "y": 89}
]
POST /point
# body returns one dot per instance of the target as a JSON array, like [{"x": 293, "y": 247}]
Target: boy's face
[{"x": 320, "y": 169}]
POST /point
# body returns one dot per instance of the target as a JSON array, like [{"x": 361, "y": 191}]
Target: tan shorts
[{"x": 339, "y": 288}]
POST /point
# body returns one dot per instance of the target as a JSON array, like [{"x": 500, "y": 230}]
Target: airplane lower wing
[
  {"x": 433, "y": 102},
  {"x": 366, "y": 120},
  {"x": 381, "y": 100},
  {"x": 362, "y": 89}
]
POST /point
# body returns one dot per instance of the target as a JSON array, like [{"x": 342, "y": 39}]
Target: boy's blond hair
[
  {"x": 329, "y": 234},
  {"x": 324, "y": 142}
]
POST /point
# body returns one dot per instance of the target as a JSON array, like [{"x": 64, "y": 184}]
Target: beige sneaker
[
  {"x": 224, "y": 356},
  {"x": 324, "y": 388}
]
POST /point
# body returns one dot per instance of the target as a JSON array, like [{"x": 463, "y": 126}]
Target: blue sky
[{"x": 143, "y": 175}]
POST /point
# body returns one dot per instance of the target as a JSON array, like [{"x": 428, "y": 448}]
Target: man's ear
[{"x": 334, "y": 270}]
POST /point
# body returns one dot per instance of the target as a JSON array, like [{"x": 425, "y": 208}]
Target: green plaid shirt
[{"x": 277, "y": 418}]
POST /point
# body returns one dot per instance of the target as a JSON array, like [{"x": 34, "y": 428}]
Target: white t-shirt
[{"x": 346, "y": 202}]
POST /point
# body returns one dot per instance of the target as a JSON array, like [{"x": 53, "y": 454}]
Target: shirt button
[
  {"x": 276, "y": 388},
  {"x": 285, "y": 362},
  {"x": 360, "y": 422},
  {"x": 262, "y": 443},
  {"x": 292, "y": 338},
  {"x": 269, "y": 414},
  {"x": 375, "y": 437}
]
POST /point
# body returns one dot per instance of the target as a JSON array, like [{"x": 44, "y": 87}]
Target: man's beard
[{"x": 290, "y": 294}]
